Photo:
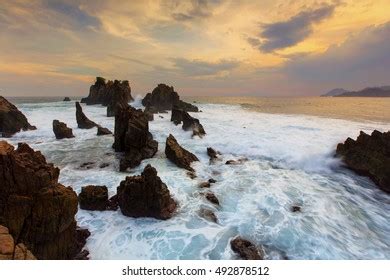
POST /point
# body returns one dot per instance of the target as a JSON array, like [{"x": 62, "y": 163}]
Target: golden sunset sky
[{"x": 201, "y": 47}]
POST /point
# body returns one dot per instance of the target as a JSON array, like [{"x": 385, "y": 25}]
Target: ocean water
[{"x": 290, "y": 162}]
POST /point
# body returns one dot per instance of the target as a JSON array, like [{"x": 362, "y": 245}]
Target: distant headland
[{"x": 383, "y": 91}]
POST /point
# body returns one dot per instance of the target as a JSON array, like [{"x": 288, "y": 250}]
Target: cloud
[
  {"x": 283, "y": 34},
  {"x": 195, "y": 10},
  {"x": 203, "y": 68}
]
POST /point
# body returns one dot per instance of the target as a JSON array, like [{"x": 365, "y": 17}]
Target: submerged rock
[
  {"x": 132, "y": 137},
  {"x": 212, "y": 198},
  {"x": 369, "y": 156},
  {"x": 103, "y": 131},
  {"x": 178, "y": 155},
  {"x": 208, "y": 215},
  {"x": 246, "y": 249},
  {"x": 145, "y": 196},
  {"x": 204, "y": 185},
  {"x": 95, "y": 198},
  {"x": 38, "y": 211},
  {"x": 236, "y": 162},
  {"x": 66, "y": 99},
  {"x": 11, "y": 251},
  {"x": 82, "y": 120},
  {"x": 61, "y": 130},
  {"x": 11, "y": 119},
  {"x": 164, "y": 97}
]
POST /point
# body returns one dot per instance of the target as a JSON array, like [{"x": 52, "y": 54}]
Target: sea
[{"x": 290, "y": 146}]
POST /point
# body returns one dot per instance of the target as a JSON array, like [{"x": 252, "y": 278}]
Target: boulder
[
  {"x": 109, "y": 94},
  {"x": 178, "y": 155},
  {"x": 66, "y": 99},
  {"x": 369, "y": 155},
  {"x": 132, "y": 137},
  {"x": 164, "y": 97},
  {"x": 95, "y": 198},
  {"x": 61, "y": 130},
  {"x": 103, "y": 131},
  {"x": 212, "y": 198},
  {"x": 208, "y": 215},
  {"x": 82, "y": 120},
  {"x": 204, "y": 185},
  {"x": 11, "y": 251},
  {"x": 189, "y": 123},
  {"x": 246, "y": 249},
  {"x": 11, "y": 119},
  {"x": 38, "y": 211},
  {"x": 145, "y": 196}
]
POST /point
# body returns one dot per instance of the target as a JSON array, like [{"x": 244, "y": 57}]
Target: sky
[{"x": 201, "y": 47}]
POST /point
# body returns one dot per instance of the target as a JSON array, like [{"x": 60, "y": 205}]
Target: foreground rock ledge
[
  {"x": 369, "y": 156},
  {"x": 178, "y": 155},
  {"x": 11, "y": 119},
  {"x": 145, "y": 196},
  {"x": 38, "y": 211}
]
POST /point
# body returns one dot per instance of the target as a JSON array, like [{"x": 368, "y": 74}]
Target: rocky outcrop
[
  {"x": 82, "y": 120},
  {"x": 164, "y": 97},
  {"x": 145, "y": 196},
  {"x": 103, "y": 131},
  {"x": 213, "y": 154},
  {"x": 112, "y": 94},
  {"x": 149, "y": 114},
  {"x": 66, "y": 99},
  {"x": 178, "y": 155},
  {"x": 11, "y": 119},
  {"x": 61, "y": 130},
  {"x": 246, "y": 249},
  {"x": 38, "y": 211},
  {"x": 132, "y": 137},
  {"x": 189, "y": 123},
  {"x": 11, "y": 251},
  {"x": 369, "y": 156},
  {"x": 95, "y": 198}
]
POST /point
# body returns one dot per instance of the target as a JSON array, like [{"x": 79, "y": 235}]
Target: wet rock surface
[
  {"x": 103, "y": 131},
  {"x": 369, "y": 155},
  {"x": 11, "y": 119},
  {"x": 178, "y": 155},
  {"x": 246, "y": 249},
  {"x": 61, "y": 130},
  {"x": 82, "y": 120},
  {"x": 38, "y": 211},
  {"x": 145, "y": 196}
]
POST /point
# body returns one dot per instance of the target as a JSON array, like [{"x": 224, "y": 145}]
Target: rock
[
  {"x": 189, "y": 123},
  {"x": 213, "y": 154},
  {"x": 112, "y": 94},
  {"x": 176, "y": 115},
  {"x": 149, "y": 114},
  {"x": 295, "y": 208},
  {"x": 236, "y": 162},
  {"x": 145, "y": 196},
  {"x": 61, "y": 130},
  {"x": 212, "y": 181},
  {"x": 66, "y": 99},
  {"x": 82, "y": 120},
  {"x": 191, "y": 174},
  {"x": 38, "y": 211},
  {"x": 93, "y": 198},
  {"x": 204, "y": 185},
  {"x": 212, "y": 198},
  {"x": 369, "y": 156},
  {"x": 104, "y": 165},
  {"x": 87, "y": 165},
  {"x": 103, "y": 131},
  {"x": 178, "y": 155},
  {"x": 132, "y": 137},
  {"x": 164, "y": 97},
  {"x": 11, "y": 119},
  {"x": 10, "y": 251},
  {"x": 208, "y": 215},
  {"x": 246, "y": 249},
  {"x": 83, "y": 255}
]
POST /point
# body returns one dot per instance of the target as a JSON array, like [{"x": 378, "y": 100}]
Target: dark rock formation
[
  {"x": 246, "y": 249},
  {"x": 212, "y": 198},
  {"x": 149, "y": 114},
  {"x": 112, "y": 94},
  {"x": 145, "y": 196},
  {"x": 176, "y": 115},
  {"x": 103, "y": 131},
  {"x": 11, "y": 119},
  {"x": 61, "y": 130},
  {"x": 295, "y": 208},
  {"x": 38, "y": 211},
  {"x": 95, "y": 198},
  {"x": 369, "y": 156},
  {"x": 66, "y": 99},
  {"x": 11, "y": 251},
  {"x": 132, "y": 137},
  {"x": 208, "y": 215},
  {"x": 212, "y": 181},
  {"x": 178, "y": 155},
  {"x": 213, "y": 154},
  {"x": 82, "y": 120},
  {"x": 164, "y": 97},
  {"x": 189, "y": 123},
  {"x": 204, "y": 185}
]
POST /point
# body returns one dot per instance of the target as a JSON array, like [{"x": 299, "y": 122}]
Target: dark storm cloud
[
  {"x": 203, "y": 68},
  {"x": 288, "y": 33}
]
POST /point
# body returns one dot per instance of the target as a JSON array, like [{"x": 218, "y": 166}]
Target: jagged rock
[
  {"x": 145, "y": 196},
  {"x": 369, "y": 156},
  {"x": 212, "y": 198},
  {"x": 176, "y": 115},
  {"x": 66, "y": 99},
  {"x": 178, "y": 155},
  {"x": 11, "y": 119},
  {"x": 82, "y": 120},
  {"x": 103, "y": 131},
  {"x": 61, "y": 130},
  {"x": 112, "y": 94},
  {"x": 246, "y": 249},
  {"x": 38, "y": 211},
  {"x": 213, "y": 154},
  {"x": 10, "y": 251},
  {"x": 95, "y": 198},
  {"x": 208, "y": 215},
  {"x": 132, "y": 137},
  {"x": 189, "y": 123},
  {"x": 164, "y": 97}
]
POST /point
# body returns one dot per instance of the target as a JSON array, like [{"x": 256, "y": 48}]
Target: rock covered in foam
[
  {"x": 11, "y": 119},
  {"x": 178, "y": 155},
  {"x": 61, "y": 130},
  {"x": 145, "y": 196}
]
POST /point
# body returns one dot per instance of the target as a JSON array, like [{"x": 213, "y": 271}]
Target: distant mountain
[
  {"x": 335, "y": 91},
  {"x": 368, "y": 92}
]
